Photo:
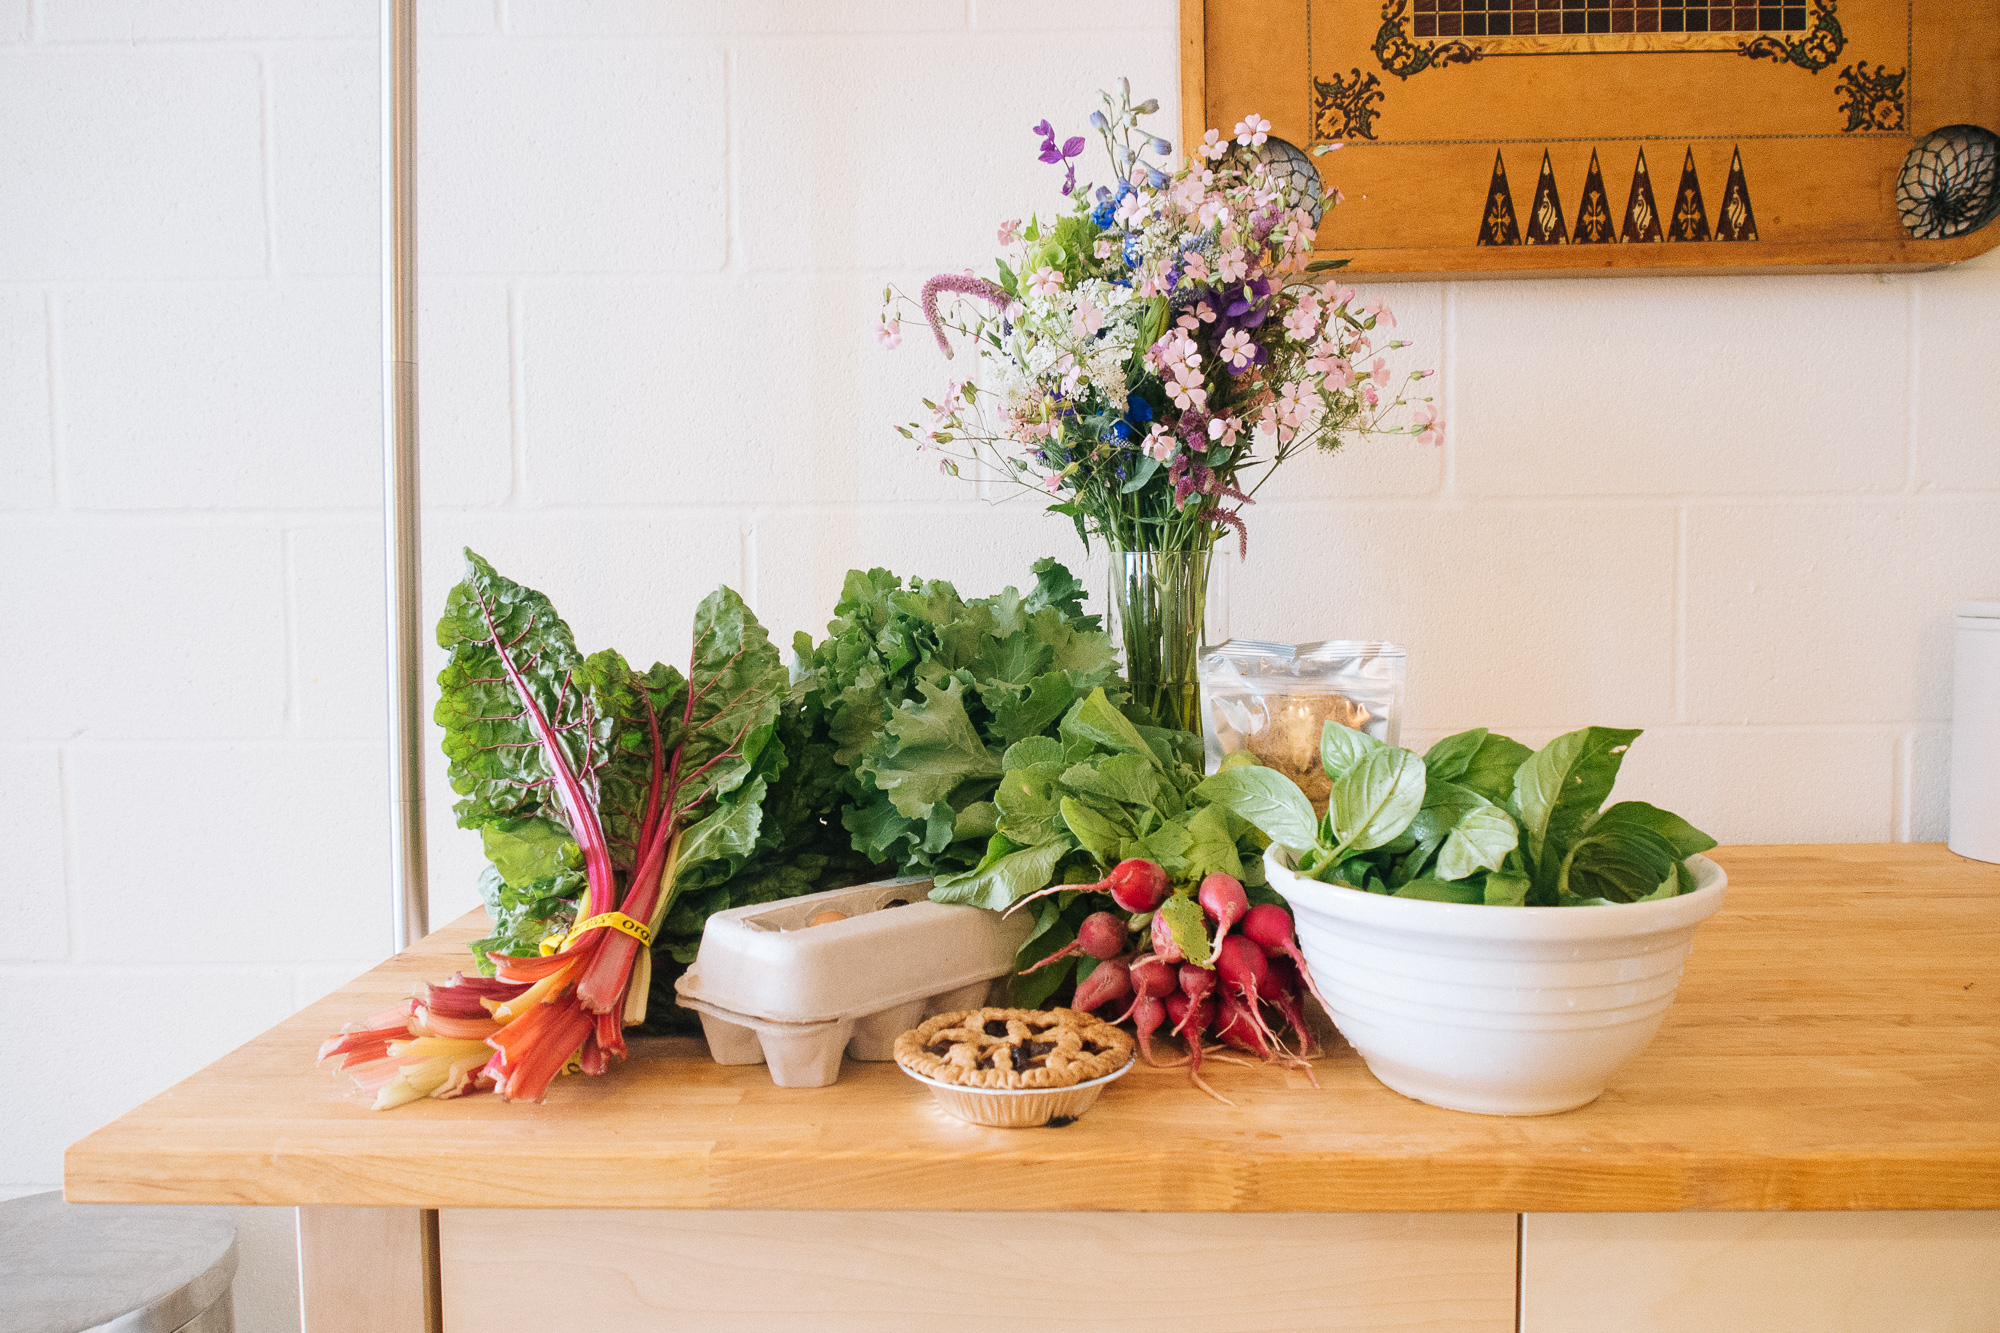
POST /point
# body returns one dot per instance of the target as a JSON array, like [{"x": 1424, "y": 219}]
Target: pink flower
[
  {"x": 1134, "y": 208},
  {"x": 1426, "y": 416},
  {"x": 1252, "y": 129},
  {"x": 1045, "y": 282},
  {"x": 1379, "y": 372},
  {"x": 1010, "y": 231},
  {"x": 1326, "y": 360},
  {"x": 1369, "y": 396},
  {"x": 1187, "y": 397},
  {"x": 889, "y": 333},
  {"x": 1232, "y": 265},
  {"x": 1383, "y": 314},
  {"x": 1106, "y": 247},
  {"x": 1292, "y": 405},
  {"x": 1213, "y": 145},
  {"x": 1160, "y": 442},
  {"x": 1196, "y": 265},
  {"x": 1087, "y": 320},
  {"x": 1303, "y": 320},
  {"x": 1052, "y": 483},
  {"x": 1237, "y": 349},
  {"x": 1224, "y": 429}
]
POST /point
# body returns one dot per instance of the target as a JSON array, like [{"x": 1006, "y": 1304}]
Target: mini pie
[{"x": 1014, "y": 1048}]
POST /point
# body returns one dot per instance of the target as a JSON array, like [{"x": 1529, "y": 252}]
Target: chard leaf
[
  {"x": 1189, "y": 926},
  {"x": 523, "y": 914},
  {"x": 1480, "y": 760},
  {"x": 727, "y": 834},
  {"x": 1557, "y": 791},
  {"x": 936, "y": 750},
  {"x": 1093, "y": 831},
  {"x": 1376, "y": 799},
  {"x": 1341, "y": 748},
  {"x": 528, "y": 851},
  {"x": 1266, "y": 800},
  {"x": 498, "y": 764},
  {"x": 1003, "y": 876}
]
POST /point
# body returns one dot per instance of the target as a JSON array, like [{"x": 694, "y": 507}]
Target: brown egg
[{"x": 827, "y": 918}]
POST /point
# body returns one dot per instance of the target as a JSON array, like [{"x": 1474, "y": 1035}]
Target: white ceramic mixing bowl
[{"x": 1500, "y": 1010}]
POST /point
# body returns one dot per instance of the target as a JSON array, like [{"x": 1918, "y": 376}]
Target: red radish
[
  {"x": 1109, "y": 982},
  {"x": 1163, "y": 941},
  {"x": 1135, "y": 884},
  {"x": 1270, "y": 928},
  {"x": 1147, "y": 1015},
  {"x": 1197, "y": 984},
  {"x": 1151, "y": 980},
  {"x": 1242, "y": 967},
  {"x": 1193, "y": 1018},
  {"x": 1102, "y": 935},
  {"x": 1281, "y": 989},
  {"x": 1222, "y": 897},
  {"x": 1243, "y": 1026}
]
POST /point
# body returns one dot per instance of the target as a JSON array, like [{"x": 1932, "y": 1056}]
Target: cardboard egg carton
[{"x": 772, "y": 988}]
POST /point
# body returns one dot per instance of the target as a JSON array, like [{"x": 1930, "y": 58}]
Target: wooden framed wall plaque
[{"x": 1515, "y": 137}]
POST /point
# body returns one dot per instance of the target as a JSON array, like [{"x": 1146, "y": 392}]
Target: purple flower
[{"x": 1054, "y": 155}]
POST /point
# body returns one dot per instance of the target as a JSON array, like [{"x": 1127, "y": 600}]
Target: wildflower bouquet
[{"x": 1152, "y": 355}]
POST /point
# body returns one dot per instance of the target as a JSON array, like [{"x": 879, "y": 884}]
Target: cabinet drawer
[
  {"x": 772, "y": 1272},
  {"x": 1932, "y": 1272}
]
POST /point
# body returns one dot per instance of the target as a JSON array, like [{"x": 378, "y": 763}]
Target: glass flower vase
[{"x": 1158, "y": 606}]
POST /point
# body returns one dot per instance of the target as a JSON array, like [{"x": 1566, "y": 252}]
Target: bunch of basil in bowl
[{"x": 1484, "y": 931}]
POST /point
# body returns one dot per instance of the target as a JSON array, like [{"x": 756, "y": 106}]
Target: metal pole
[{"x": 409, "y": 880}]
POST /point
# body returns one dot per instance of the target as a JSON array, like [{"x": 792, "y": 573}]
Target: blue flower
[
  {"x": 1121, "y": 430},
  {"x": 1138, "y": 409}
]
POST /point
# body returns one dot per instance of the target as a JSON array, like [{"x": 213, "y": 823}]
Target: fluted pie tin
[
  {"x": 773, "y": 989},
  {"x": 1018, "y": 1108},
  {"x": 1498, "y": 1010}
]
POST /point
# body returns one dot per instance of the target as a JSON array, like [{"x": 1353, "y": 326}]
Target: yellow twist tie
[{"x": 617, "y": 921}]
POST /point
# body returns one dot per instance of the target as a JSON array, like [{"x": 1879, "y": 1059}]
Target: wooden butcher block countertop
[{"x": 1836, "y": 1045}]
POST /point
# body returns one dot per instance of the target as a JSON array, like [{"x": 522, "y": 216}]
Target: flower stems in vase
[{"x": 1158, "y": 604}]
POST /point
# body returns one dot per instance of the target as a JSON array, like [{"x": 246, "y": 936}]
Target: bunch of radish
[{"x": 1245, "y": 995}]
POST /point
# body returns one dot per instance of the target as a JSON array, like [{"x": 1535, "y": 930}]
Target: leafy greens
[{"x": 1478, "y": 819}]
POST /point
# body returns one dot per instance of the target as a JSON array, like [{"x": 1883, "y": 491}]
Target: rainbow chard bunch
[{"x": 596, "y": 789}]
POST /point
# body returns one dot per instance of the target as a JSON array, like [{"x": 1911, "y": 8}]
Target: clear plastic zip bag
[{"x": 1273, "y": 699}]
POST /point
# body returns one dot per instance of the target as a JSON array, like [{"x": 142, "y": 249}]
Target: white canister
[{"x": 1975, "y": 733}]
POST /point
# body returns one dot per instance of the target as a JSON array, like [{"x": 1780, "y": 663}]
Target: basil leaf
[
  {"x": 1557, "y": 792},
  {"x": 1623, "y": 866},
  {"x": 1480, "y": 760},
  {"x": 1470, "y": 833},
  {"x": 1504, "y": 888},
  {"x": 1341, "y": 748},
  {"x": 1683, "y": 837},
  {"x": 1376, "y": 799},
  {"x": 1442, "y": 891},
  {"x": 1266, "y": 800}
]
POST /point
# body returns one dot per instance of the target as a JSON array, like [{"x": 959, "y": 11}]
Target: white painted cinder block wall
[{"x": 1734, "y": 512}]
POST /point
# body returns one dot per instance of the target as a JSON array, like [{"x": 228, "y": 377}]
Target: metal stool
[{"x": 67, "y": 1268}]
